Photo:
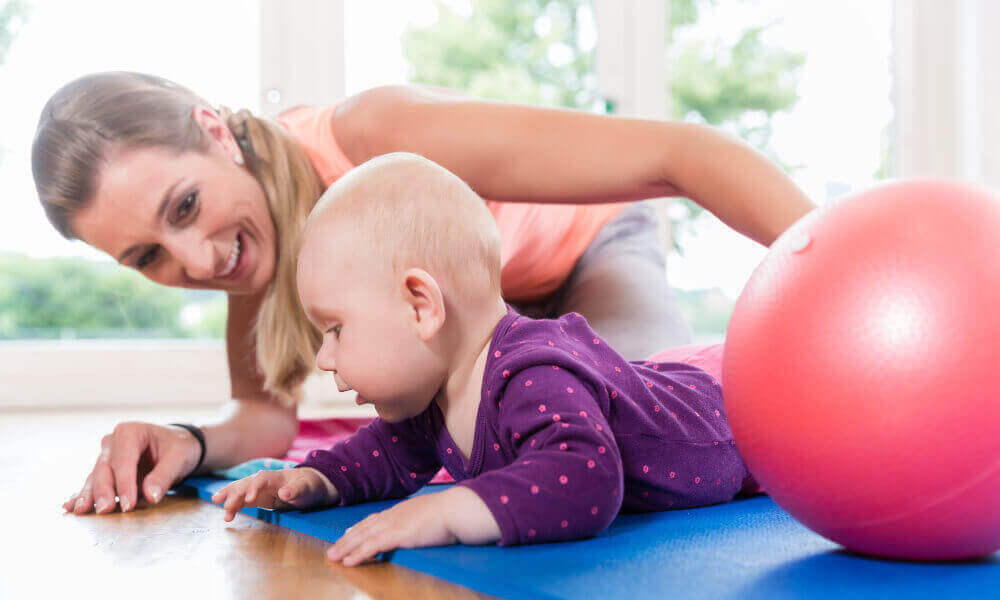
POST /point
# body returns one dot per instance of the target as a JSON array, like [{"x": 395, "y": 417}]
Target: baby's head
[{"x": 396, "y": 260}]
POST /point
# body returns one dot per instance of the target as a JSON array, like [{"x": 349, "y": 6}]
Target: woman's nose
[{"x": 196, "y": 256}]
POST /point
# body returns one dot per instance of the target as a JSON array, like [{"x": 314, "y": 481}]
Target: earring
[{"x": 238, "y": 158}]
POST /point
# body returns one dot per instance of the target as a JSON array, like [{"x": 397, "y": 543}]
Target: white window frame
[{"x": 942, "y": 92}]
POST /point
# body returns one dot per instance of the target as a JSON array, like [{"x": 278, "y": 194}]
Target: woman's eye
[
  {"x": 336, "y": 330},
  {"x": 146, "y": 259},
  {"x": 186, "y": 207}
]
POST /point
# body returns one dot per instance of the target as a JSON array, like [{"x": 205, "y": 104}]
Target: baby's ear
[{"x": 424, "y": 295}]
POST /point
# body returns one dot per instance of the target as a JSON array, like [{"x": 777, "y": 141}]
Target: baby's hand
[
  {"x": 454, "y": 515},
  {"x": 413, "y": 523},
  {"x": 289, "y": 488}
]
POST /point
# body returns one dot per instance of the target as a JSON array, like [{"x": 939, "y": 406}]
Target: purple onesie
[{"x": 568, "y": 433}]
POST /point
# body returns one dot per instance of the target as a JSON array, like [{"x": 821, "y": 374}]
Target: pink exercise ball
[{"x": 862, "y": 371}]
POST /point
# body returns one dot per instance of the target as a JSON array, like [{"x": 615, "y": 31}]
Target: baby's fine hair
[{"x": 412, "y": 212}]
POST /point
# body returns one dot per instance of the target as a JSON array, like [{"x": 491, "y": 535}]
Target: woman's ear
[
  {"x": 424, "y": 295},
  {"x": 215, "y": 127}
]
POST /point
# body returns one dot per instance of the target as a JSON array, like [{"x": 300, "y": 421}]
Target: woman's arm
[
  {"x": 518, "y": 153},
  {"x": 254, "y": 423}
]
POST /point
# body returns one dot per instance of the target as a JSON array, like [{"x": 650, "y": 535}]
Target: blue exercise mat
[{"x": 744, "y": 549}]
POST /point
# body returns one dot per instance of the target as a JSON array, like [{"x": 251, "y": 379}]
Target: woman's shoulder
[{"x": 381, "y": 119}]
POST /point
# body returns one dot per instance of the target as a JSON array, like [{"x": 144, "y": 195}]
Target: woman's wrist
[
  {"x": 199, "y": 437},
  {"x": 248, "y": 429}
]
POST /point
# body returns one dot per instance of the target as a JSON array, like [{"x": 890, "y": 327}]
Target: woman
[{"x": 147, "y": 171}]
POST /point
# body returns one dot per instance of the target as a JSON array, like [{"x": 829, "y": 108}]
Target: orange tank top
[{"x": 539, "y": 243}]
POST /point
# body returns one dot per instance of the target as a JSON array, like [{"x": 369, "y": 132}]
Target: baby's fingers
[
  {"x": 381, "y": 541},
  {"x": 298, "y": 492},
  {"x": 232, "y": 505},
  {"x": 221, "y": 495}
]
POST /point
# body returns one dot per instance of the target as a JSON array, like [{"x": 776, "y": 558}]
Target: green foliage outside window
[
  {"x": 73, "y": 297},
  {"x": 539, "y": 52}
]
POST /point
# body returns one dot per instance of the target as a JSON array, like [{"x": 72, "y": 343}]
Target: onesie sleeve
[
  {"x": 381, "y": 461},
  {"x": 565, "y": 481}
]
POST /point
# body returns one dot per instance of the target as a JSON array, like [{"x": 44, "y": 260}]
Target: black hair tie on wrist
[{"x": 198, "y": 435}]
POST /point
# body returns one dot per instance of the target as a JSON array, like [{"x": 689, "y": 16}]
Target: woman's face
[{"x": 195, "y": 220}]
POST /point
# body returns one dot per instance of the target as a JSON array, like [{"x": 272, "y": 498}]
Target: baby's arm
[
  {"x": 289, "y": 488},
  {"x": 381, "y": 461},
  {"x": 566, "y": 481}
]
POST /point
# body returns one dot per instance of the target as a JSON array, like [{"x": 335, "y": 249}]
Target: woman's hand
[
  {"x": 456, "y": 515},
  {"x": 289, "y": 488},
  {"x": 134, "y": 454}
]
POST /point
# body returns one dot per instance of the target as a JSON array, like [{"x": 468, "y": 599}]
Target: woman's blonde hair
[{"x": 91, "y": 116}]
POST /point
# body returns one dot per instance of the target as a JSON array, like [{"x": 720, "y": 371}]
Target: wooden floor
[{"x": 181, "y": 548}]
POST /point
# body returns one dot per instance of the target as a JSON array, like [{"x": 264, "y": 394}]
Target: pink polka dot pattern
[
  {"x": 343, "y": 468},
  {"x": 531, "y": 411}
]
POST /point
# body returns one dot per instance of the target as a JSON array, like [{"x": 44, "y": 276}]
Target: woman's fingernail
[
  {"x": 79, "y": 503},
  {"x": 155, "y": 492},
  {"x": 102, "y": 504},
  {"x": 125, "y": 503}
]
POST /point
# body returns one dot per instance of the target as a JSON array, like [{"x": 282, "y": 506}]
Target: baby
[{"x": 547, "y": 431}]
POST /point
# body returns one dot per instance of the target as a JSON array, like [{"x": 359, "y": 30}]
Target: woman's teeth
[{"x": 234, "y": 257}]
